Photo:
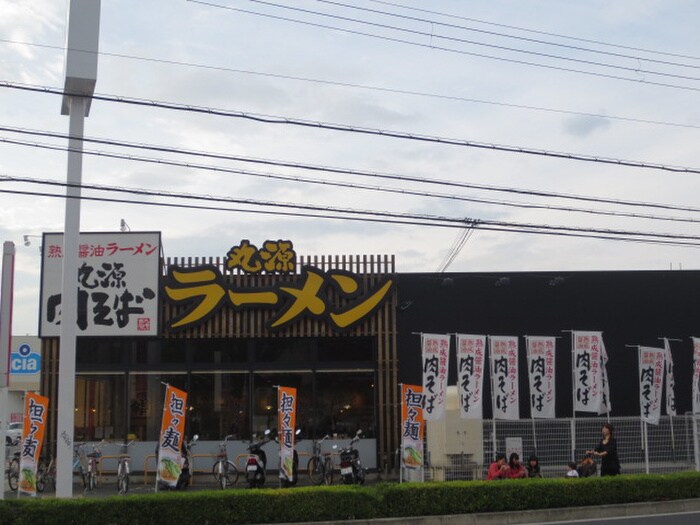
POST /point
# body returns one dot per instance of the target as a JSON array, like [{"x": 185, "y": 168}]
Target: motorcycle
[
  {"x": 185, "y": 477},
  {"x": 257, "y": 459},
  {"x": 285, "y": 480},
  {"x": 351, "y": 470}
]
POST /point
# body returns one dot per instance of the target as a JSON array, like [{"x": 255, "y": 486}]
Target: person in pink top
[
  {"x": 516, "y": 469},
  {"x": 499, "y": 469}
]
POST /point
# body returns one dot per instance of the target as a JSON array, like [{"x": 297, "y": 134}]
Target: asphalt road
[{"x": 683, "y": 518}]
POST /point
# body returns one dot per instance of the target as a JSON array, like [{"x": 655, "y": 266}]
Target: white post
[
  {"x": 69, "y": 305},
  {"x": 696, "y": 441},
  {"x": 646, "y": 449},
  {"x": 493, "y": 404},
  {"x": 82, "y": 37},
  {"x": 6, "y": 287},
  {"x": 573, "y": 397}
]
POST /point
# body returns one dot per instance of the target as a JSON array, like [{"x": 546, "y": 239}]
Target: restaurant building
[{"x": 343, "y": 329}]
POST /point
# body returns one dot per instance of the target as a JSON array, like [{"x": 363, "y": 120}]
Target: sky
[{"x": 597, "y": 79}]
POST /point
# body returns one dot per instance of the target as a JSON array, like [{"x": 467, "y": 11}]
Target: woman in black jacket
[{"x": 607, "y": 452}]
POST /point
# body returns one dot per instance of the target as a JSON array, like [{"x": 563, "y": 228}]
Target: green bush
[{"x": 341, "y": 503}]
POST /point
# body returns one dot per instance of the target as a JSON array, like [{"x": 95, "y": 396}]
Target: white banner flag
[
  {"x": 651, "y": 380},
  {"x": 591, "y": 389},
  {"x": 540, "y": 367},
  {"x": 504, "y": 376},
  {"x": 471, "y": 355},
  {"x": 436, "y": 353},
  {"x": 696, "y": 375},
  {"x": 670, "y": 381}
]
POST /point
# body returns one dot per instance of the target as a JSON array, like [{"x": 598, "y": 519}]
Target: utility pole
[
  {"x": 79, "y": 85},
  {"x": 6, "y": 289}
]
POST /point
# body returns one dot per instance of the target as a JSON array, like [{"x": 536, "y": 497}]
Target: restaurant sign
[
  {"x": 204, "y": 290},
  {"x": 117, "y": 280}
]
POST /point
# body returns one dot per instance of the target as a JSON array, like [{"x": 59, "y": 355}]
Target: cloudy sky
[{"x": 597, "y": 79}]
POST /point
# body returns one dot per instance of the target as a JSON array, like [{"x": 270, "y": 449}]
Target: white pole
[
  {"x": 7, "y": 289},
  {"x": 69, "y": 304},
  {"x": 573, "y": 397},
  {"x": 493, "y": 403},
  {"x": 646, "y": 449}
]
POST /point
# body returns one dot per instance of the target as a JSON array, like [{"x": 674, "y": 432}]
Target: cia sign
[{"x": 24, "y": 361}]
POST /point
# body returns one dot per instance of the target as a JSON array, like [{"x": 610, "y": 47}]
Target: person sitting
[
  {"x": 516, "y": 469},
  {"x": 533, "y": 467},
  {"x": 587, "y": 467},
  {"x": 571, "y": 470},
  {"x": 499, "y": 468}
]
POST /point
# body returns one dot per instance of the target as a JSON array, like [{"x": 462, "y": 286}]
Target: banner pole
[
  {"x": 400, "y": 434},
  {"x": 532, "y": 419},
  {"x": 646, "y": 448},
  {"x": 493, "y": 403},
  {"x": 573, "y": 397}
]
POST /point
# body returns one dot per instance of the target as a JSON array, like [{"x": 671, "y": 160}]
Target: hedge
[{"x": 348, "y": 502}]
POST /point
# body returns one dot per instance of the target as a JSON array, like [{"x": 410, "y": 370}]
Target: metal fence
[{"x": 670, "y": 446}]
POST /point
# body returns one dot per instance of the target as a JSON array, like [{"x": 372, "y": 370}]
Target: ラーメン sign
[
  {"x": 337, "y": 296},
  {"x": 117, "y": 280}
]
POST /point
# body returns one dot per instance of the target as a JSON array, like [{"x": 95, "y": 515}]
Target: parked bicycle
[
  {"x": 46, "y": 475},
  {"x": 320, "y": 465},
  {"x": 93, "y": 460},
  {"x": 13, "y": 471},
  {"x": 224, "y": 470},
  {"x": 123, "y": 468}
]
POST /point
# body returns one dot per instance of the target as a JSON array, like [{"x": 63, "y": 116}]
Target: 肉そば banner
[{"x": 117, "y": 279}]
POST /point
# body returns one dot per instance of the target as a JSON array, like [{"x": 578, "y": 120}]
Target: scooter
[
  {"x": 255, "y": 464},
  {"x": 185, "y": 477},
  {"x": 351, "y": 470},
  {"x": 285, "y": 480}
]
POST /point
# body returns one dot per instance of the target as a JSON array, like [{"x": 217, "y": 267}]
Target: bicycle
[
  {"x": 224, "y": 470},
  {"x": 123, "y": 468},
  {"x": 46, "y": 475},
  {"x": 320, "y": 465},
  {"x": 13, "y": 472},
  {"x": 80, "y": 462},
  {"x": 93, "y": 459}
]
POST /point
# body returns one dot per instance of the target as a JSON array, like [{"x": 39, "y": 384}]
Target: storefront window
[
  {"x": 148, "y": 353},
  {"x": 219, "y": 405},
  {"x": 345, "y": 403},
  {"x": 100, "y": 353},
  {"x": 265, "y": 400},
  {"x": 220, "y": 352},
  {"x": 146, "y": 396},
  {"x": 99, "y": 407},
  {"x": 348, "y": 349}
]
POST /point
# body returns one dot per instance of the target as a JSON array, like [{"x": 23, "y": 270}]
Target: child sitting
[{"x": 571, "y": 472}]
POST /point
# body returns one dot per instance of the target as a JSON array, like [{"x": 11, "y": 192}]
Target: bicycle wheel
[
  {"x": 122, "y": 479},
  {"x": 230, "y": 473},
  {"x": 315, "y": 470},
  {"x": 215, "y": 470},
  {"x": 13, "y": 474},
  {"x": 91, "y": 481},
  {"x": 41, "y": 478},
  {"x": 328, "y": 471}
]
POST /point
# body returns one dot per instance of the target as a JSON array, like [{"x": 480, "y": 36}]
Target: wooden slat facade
[{"x": 251, "y": 323}]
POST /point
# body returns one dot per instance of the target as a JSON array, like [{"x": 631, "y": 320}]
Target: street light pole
[{"x": 80, "y": 78}]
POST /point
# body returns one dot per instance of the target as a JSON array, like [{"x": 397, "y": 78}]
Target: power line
[
  {"x": 456, "y": 248},
  {"x": 367, "y": 87},
  {"x": 534, "y": 31},
  {"x": 503, "y": 35},
  {"x": 452, "y": 50},
  {"x": 433, "y": 35},
  {"x": 274, "y": 119},
  {"x": 342, "y": 184},
  {"x": 368, "y": 215}
]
